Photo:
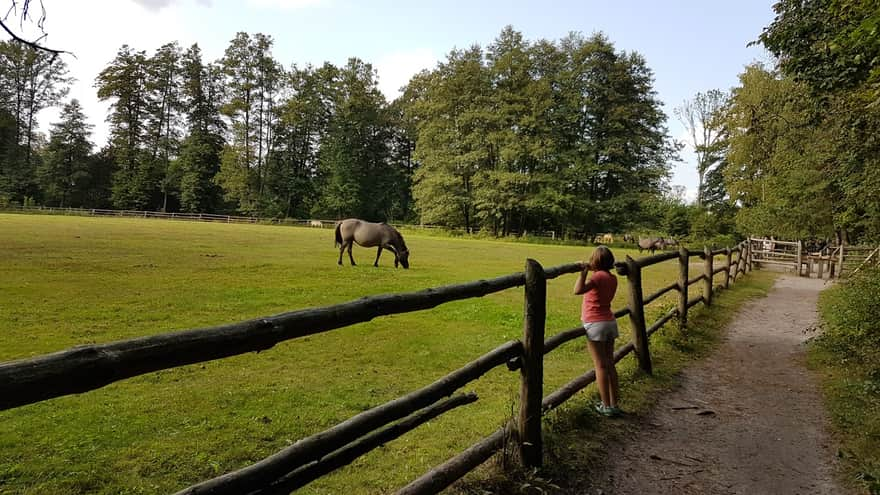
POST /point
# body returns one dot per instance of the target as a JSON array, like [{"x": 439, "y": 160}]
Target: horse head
[{"x": 403, "y": 257}]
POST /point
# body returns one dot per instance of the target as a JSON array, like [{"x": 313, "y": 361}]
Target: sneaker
[
  {"x": 615, "y": 411},
  {"x": 604, "y": 410}
]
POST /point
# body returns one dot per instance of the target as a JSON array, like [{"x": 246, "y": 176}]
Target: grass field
[{"x": 68, "y": 281}]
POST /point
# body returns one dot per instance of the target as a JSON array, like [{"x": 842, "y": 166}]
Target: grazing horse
[
  {"x": 368, "y": 234},
  {"x": 651, "y": 244},
  {"x": 316, "y": 223}
]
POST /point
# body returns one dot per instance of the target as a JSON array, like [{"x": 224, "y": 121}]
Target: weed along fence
[{"x": 84, "y": 368}]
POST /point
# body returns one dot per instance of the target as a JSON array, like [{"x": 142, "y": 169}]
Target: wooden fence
[
  {"x": 89, "y": 367},
  {"x": 834, "y": 262}
]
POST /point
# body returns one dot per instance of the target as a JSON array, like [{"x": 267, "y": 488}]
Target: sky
[{"x": 691, "y": 45}]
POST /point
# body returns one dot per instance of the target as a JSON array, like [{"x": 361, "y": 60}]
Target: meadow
[{"x": 69, "y": 281}]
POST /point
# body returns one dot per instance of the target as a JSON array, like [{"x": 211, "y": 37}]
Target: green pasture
[{"x": 69, "y": 281}]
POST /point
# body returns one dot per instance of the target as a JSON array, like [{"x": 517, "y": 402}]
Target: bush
[
  {"x": 848, "y": 354},
  {"x": 852, "y": 316}
]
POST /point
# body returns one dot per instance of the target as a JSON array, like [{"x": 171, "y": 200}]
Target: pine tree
[
  {"x": 200, "y": 153},
  {"x": 65, "y": 174},
  {"x": 125, "y": 82}
]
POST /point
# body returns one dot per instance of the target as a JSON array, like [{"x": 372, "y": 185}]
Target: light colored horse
[
  {"x": 316, "y": 223},
  {"x": 369, "y": 234}
]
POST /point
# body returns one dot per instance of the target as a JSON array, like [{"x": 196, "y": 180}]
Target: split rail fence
[
  {"x": 833, "y": 261},
  {"x": 89, "y": 367}
]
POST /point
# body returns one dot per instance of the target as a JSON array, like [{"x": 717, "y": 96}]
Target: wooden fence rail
[{"x": 89, "y": 367}]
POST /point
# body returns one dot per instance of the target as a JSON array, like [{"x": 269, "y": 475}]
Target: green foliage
[
  {"x": 30, "y": 81},
  {"x": 780, "y": 164},
  {"x": 538, "y": 136},
  {"x": 825, "y": 114},
  {"x": 830, "y": 44},
  {"x": 848, "y": 353},
  {"x": 65, "y": 175}
]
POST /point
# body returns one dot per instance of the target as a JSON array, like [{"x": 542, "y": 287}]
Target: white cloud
[
  {"x": 287, "y": 4},
  {"x": 396, "y": 69},
  {"x": 154, "y": 5},
  {"x": 157, "y": 5},
  {"x": 95, "y": 34}
]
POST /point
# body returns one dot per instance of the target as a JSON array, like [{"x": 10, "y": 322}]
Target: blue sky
[{"x": 690, "y": 45}]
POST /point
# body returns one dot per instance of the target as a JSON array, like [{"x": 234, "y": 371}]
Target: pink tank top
[{"x": 597, "y": 301}]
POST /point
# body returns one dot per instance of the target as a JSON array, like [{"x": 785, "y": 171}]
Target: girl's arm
[{"x": 582, "y": 285}]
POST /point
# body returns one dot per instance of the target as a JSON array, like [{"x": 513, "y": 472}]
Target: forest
[{"x": 519, "y": 136}]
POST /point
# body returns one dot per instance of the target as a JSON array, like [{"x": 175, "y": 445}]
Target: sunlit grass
[{"x": 68, "y": 281}]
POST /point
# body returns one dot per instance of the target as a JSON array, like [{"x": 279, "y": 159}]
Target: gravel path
[{"x": 747, "y": 420}]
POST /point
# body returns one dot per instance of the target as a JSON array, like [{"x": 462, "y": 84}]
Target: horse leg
[
  {"x": 350, "y": 257},
  {"x": 341, "y": 250},
  {"x": 378, "y": 252}
]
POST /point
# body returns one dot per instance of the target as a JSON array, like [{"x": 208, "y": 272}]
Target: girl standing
[{"x": 600, "y": 324}]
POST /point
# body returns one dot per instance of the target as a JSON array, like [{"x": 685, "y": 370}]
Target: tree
[
  {"x": 450, "y": 112},
  {"x": 358, "y": 178},
  {"x": 782, "y": 168},
  {"x": 125, "y": 82},
  {"x": 200, "y": 153},
  {"x": 163, "y": 121},
  {"x": 831, "y": 48},
  {"x": 65, "y": 174},
  {"x": 253, "y": 82},
  {"x": 299, "y": 129},
  {"x": 702, "y": 117},
  {"x": 830, "y": 45},
  {"x": 30, "y": 81}
]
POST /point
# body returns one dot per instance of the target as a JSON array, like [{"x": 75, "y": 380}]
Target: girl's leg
[
  {"x": 613, "y": 387},
  {"x": 597, "y": 349}
]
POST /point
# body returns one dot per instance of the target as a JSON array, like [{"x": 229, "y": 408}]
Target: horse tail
[{"x": 338, "y": 235}]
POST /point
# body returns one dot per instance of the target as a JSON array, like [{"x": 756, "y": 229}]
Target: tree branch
[{"x": 33, "y": 44}]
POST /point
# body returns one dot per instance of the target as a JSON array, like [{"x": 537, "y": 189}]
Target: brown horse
[{"x": 368, "y": 234}]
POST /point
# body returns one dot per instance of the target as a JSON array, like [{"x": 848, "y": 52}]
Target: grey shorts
[{"x": 601, "y": 330}]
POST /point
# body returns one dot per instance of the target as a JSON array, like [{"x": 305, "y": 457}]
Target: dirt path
[{"x": 747, "y": 420}]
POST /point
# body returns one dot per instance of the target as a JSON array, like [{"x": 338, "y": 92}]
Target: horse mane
[{"x": 398, "y": 237}]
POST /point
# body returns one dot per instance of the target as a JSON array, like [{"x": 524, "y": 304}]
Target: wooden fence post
[
  {"x": 727, "y": 273},
  {"x": 748, "y": 266},
  {"x": 739, "y": 255},
  {"x": 683, "y": 285},
  {"x": 637, "y": 314},
  {"x": 532, "y": 371},
  {"x": 707, "y": 287},
  {"x": 840, "y": 262},
  {"x": 800, "y": 259}
]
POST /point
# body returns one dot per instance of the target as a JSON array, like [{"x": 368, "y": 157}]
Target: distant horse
[
  {"x": 607, "y": 238},
  {"x": 368, "y": 234},
  {"x": 651, "y": 244},
  {"x": 628, "y": 238},
  {"x": 316, "y": 223}
]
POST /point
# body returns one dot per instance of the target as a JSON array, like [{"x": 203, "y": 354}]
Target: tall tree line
[
  {"x": 563, "y": 135},
  {"x": 542, "y": 135},
  {"x": 30, "y": 81}
]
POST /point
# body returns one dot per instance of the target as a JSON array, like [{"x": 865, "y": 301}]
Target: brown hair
[{"x": 602, "y": 259}]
